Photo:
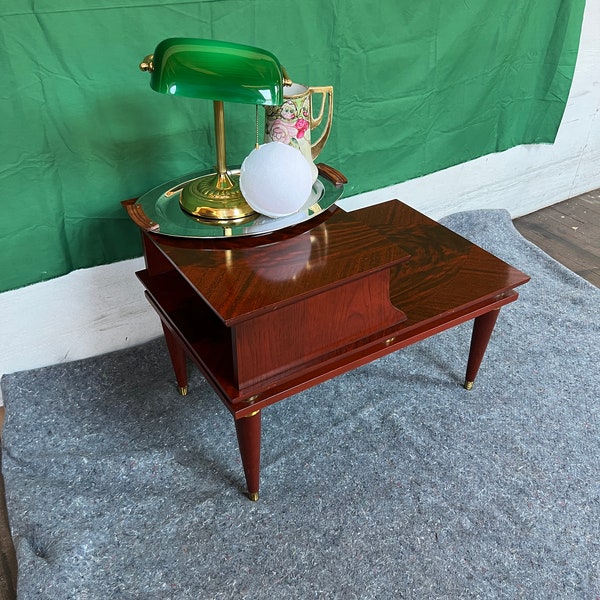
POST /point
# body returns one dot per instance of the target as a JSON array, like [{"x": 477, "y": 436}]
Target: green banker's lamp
[{"x": 222, "y": 72}]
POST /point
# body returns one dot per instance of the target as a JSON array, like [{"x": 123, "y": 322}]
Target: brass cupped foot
[
  {"x": 469, "y": 385},
  {"x": 183, "y": 390},
  {"x": 215, "y": 197},
  {"x": 253, "y": 496}
]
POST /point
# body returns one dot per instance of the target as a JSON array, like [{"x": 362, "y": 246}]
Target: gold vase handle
[{"x": 326, "y": 92}]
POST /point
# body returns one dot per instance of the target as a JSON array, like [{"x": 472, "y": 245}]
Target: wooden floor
[{"x": 569, "y": 232}]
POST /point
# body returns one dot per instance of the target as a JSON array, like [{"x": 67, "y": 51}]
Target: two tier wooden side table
[{"x": 268, "y": 316}]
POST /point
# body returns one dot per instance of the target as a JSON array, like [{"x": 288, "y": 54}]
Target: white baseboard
[{"x": 84, "y": 313}]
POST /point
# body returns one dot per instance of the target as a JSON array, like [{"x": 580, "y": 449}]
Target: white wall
[{"x": 98, "y": 310}]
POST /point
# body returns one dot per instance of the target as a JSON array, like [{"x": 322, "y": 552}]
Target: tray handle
[
  {"x": 332, "y": 174},
  {"x": 138, "y": 216}
]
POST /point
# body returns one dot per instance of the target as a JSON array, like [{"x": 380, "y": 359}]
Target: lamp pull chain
[{"x": 256, "y": 145}]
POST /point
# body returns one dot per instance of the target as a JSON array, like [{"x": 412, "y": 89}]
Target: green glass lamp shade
[{"x": 216, "y": 70}]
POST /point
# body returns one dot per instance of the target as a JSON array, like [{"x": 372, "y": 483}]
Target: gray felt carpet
[{"x": 388, "y": 482}]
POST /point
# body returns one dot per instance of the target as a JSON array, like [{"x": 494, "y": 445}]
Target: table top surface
[{"x": 433, "y": 270}]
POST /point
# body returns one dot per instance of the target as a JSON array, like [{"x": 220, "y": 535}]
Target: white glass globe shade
[{"x": 276, "y": 179}]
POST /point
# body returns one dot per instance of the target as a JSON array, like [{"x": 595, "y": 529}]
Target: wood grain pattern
[
  {"x": 242, "y": 281},
  {"x": 319, "y": 313},
  {"x": 266, "y": 318},
  {"x": 446, "y": 273}
]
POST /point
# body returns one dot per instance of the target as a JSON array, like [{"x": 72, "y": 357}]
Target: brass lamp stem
[
  {"x": 220, "y": 136},
  {"x": 216, "y": 196}
]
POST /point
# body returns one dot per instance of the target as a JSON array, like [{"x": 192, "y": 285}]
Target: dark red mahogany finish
[{"x": 266, "y": 317}]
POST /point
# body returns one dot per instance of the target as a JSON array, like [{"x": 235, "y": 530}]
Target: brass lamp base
[{"x": 216, "y": 196}]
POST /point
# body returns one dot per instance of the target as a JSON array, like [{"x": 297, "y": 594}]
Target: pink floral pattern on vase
[
  {"x": 290, "y": 124},
  {"x": 302, "y": 126},
  {"x": 279, "y": 131}
]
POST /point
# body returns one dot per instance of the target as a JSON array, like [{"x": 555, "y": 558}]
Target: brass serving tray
[{"x": 159, "y": 210}]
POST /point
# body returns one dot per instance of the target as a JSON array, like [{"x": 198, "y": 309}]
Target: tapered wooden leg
[
  {"x": 178, "y": 358},
  {"x": 248, "y": 435},
  {"x": 482, "y": 331}
]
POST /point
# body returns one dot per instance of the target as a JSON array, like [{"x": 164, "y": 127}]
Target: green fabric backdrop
[{"x": 419, "y": 86}]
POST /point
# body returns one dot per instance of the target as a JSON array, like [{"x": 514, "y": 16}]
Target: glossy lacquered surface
[
  {"x": 445, "y": 273},
  {"x": 241, "y": 278},
  {"x": 216, "y": 70},
  {"x": 267, "y": 317}
]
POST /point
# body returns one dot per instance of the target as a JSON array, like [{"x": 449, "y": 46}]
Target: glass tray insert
[{"x": 161, "y": 210}]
